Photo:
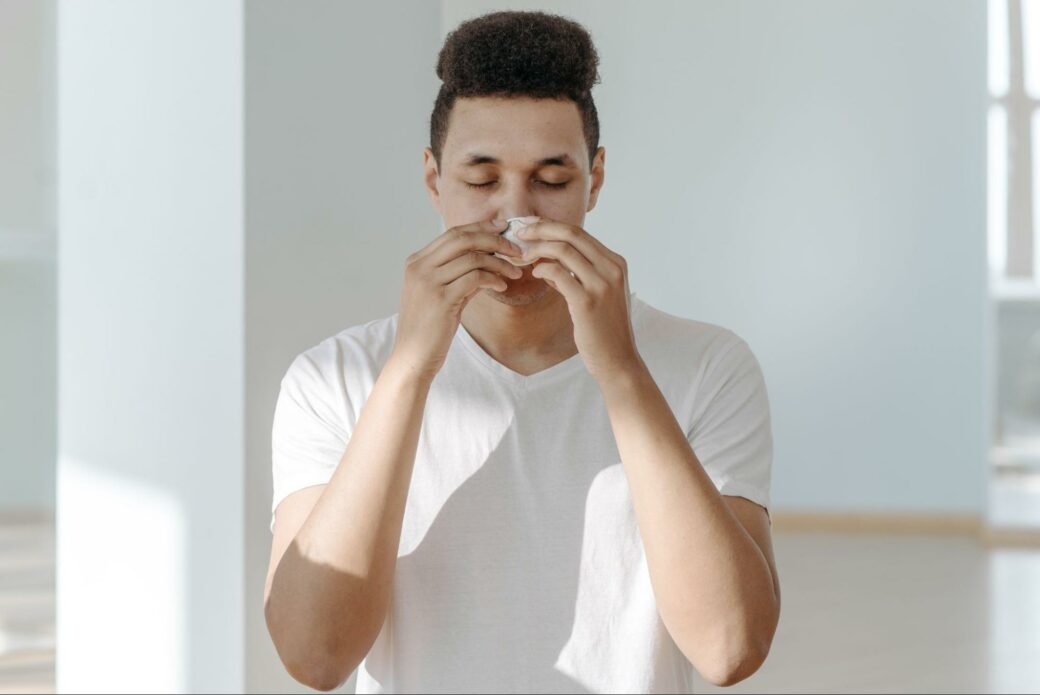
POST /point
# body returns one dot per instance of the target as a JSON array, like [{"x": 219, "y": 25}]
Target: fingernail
[{"x": 525, "y": 232}]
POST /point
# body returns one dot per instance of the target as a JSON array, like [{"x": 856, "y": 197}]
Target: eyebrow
[{"x": 475, "y": 159}]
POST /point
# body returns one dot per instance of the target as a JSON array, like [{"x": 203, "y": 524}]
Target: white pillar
[
  {"x": 337, "y": 115},
  {"x": 151, "y": 354}
]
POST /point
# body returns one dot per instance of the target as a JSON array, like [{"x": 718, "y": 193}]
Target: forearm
[
  {"x": 332, "y": 587},
  {"x": 712, "y": 584}
]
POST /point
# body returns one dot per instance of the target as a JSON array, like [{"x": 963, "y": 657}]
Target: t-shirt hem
[
  {"x": 295, "y": 486},
  {"x": 740, "y": 489}
]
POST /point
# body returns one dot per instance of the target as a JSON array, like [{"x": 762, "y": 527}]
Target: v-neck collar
[{"x": 524, "y": 382}]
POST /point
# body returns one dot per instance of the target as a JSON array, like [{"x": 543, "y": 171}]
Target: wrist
[
  {"x": 400, "y": 370},
  {"x": 626, "y": 378}
]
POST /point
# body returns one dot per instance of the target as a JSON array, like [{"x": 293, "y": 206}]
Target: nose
[{"x": 514, "y": 200}]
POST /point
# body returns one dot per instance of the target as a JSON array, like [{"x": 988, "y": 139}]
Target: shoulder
[
  {"x": 697, "y": 364},
  {"x": 359, "y": 350},
  {"x": 684, "y": 343}
]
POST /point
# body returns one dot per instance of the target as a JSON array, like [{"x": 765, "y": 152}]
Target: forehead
[{"x": 513, "y": 129}]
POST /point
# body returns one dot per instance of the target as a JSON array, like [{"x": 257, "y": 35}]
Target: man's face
[{"x": 514, "y": 157}]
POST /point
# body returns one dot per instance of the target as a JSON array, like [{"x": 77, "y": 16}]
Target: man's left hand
[{"x": 594, "y": 281}]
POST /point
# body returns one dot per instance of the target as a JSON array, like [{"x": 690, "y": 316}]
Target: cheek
[
  {"x": 567, "y": 207},
  {"x": 459, "y": 210}
]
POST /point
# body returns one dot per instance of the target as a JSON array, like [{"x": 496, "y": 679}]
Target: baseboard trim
[
  {"x": 969, "y": 525},
  {"x": 954, "y": 524},
  {"x": 1010, "y": 537},
  {"x": 26, "y": 515}
]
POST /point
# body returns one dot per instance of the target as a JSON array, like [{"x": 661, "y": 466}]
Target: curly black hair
[{"x": 512, "y": 53}]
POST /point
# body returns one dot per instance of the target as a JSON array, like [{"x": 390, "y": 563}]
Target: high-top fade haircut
[{"x": 516, "y": 54}]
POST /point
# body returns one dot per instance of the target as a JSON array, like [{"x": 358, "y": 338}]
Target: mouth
[{"x": 526, "y": 270}]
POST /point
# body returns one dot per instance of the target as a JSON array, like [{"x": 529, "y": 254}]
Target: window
[{"x": 1014, "y": 258}]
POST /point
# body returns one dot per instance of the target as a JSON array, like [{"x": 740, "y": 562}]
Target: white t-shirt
[{"x": 521, "y": 567}]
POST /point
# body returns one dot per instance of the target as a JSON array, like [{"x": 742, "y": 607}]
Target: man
[{"x": 528, "y": 479}]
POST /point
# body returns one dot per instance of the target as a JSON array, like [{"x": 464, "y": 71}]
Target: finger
[
  {"x": 457, "y": 267},
  {"x": 441, "y": 239},
  {"x": 572, "y": 259},
  {"x": 471, "y": 283},
  {"x": 560, "y": 279},
  {"x": 592, "y": 248},
  {"x": 457, "y": 242}
]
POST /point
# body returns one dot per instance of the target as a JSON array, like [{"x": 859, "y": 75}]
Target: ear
[
  {"x": 597, "y": 177},
  {"x": 431, "y": 177}
]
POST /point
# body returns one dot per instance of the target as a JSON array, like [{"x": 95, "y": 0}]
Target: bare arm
[
  {"x": 335, "y": 546},
  {"x": 709, "y": 556}
]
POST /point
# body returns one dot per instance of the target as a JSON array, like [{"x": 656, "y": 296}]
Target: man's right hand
[{"x": 439, "y": 281}]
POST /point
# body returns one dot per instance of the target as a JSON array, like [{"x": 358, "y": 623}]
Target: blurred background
[{"x": 193, "y": 192}]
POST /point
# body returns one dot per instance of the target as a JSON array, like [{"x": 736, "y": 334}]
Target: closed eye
[{"x": 544, "y": 183}]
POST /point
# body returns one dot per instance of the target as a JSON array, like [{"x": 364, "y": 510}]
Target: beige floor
[
  {"x": 26, "y": 606},
  {"x": 861, "y": 614}
]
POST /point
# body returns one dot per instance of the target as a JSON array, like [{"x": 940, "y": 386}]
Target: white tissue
[{"x": 515, "y": 225}]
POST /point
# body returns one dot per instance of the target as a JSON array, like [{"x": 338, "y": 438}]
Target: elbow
[
  {"x": 739, "y": 650},
  {"x": 734, "y": 671},
  {"x": 316, "y": 678},
  {"x": 735, "y": 656},
  {"x": 323, "y": 680},
  {"x": 737, "y": 664},
  {"x": 320, "y": 671},
  {"x": 318, "y": 666}
]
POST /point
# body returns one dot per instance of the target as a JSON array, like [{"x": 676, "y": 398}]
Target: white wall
[
  {"x": 811, "y": 174},
  {"x": 28, "y": 302},
  {"x": 151, "y": 347},
  {"x": 337, "y": 109}
]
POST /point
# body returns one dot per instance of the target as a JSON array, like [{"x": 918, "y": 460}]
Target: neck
[{"x": 541, "y": 330}]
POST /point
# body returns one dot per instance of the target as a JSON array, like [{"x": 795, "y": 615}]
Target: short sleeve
[
  {"x": 308, "y": 435},
  {"x": 732, "y": 430}
]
